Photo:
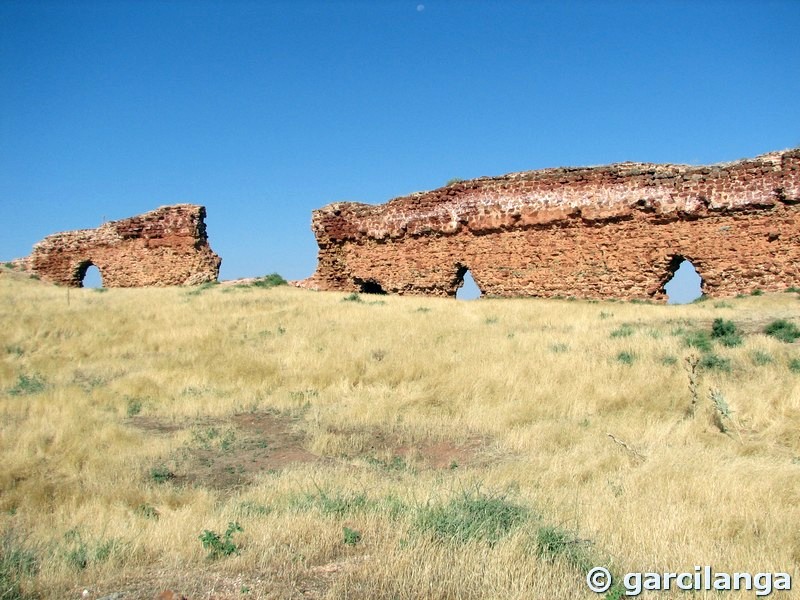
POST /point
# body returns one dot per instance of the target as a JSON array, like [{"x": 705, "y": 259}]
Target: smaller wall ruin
[{"x": 166, "y": 246}]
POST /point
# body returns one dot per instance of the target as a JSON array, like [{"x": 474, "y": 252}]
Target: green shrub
[
  {"x": 452, "y": 181},
  {"x": 351, "y": 536},
  {"x": 784, "y": 330},
  {"x": 471, "y": 517},
  {"x": 698, "y": 339},
  {"x": 269, "y": 281},
  {"x": 16, "y": 563},
  {"x": 761, "y": 358},
  {"x": 353, "y": 297},
  {"x": 27, "y": 385},
  {"x": 623, "y": 331},
  {"x": 757, "y": 292},
  {"x": 794, "y": 365},
  {"x": 554, "y": 543},
  {"x": 134, "y": 406},
  {"x": 219, "y": 546},
  {"x": 161, "y": 474},
  {"x": 725, "y": 333},
  {"x": 626, "y": 358},
  {"x": 715, "y": 363}
]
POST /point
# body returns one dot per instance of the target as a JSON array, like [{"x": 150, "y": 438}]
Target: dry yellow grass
[{"x": 395, "y": 406}]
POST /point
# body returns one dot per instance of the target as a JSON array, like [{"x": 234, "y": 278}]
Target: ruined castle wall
[
  {"x": 167, "y": 246},
  {"x": 617, "y": 231}
]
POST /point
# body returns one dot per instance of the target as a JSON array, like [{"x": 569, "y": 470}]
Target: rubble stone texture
[
  {"x": 616, "y": 231},
  {"x": 167, "y": 246}
]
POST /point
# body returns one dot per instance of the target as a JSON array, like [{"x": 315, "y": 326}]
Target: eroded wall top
[
  {"x": 490, "y": 224},
  {"x": 166, "y": 246}
]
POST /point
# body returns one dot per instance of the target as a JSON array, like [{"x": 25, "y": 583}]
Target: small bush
[
  {"x": 698, "y": 339},
  {"x": 794, "y": 365},
  {"x": 351, "y": 536},
  {"x": 669, "y": 360},
  {"x": 353, "y": 297},
  {"x": 27, "y": 385},
  {"x": 471, "y": 516},
  {"x": 161, "y": 474},
  {"x": 553, "y": 543},
  {"x": 270, "y": 281},
  {"x": 623, "y": 331},
  {"x": 452, "y": 181},
  {"x": 16, "y": 562},
  {"x": 757, "y": 292},
  {"x": 725, "y": 333},
  {"x": 134, "y": 407},
  {"x": 792, "y": 289},
  {"x": 147, "y": 511},
  {"x": 713, "y": 362},
  {"x": 626, "y": 358},
  {"x": 761, "y": 358},
  {"x": 219, "y": 546},
  {"x": 783, "y": 330}
]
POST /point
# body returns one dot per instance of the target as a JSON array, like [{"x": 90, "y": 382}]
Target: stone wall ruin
[
  {"x": 166, "y": 246},
  {"x": 616, "y": 231}
]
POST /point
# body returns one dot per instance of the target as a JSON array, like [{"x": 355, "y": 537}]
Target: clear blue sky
[{"x": 263, "y": 111}]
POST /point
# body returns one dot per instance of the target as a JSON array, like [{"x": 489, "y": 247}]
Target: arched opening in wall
[
  {"x": 466, "y": 288},
  {"x": 369, "y": 286},
  {"x": 685, "y": 284},
  {"x": 89, "y": 275}
]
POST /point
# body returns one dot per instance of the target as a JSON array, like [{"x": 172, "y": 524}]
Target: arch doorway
[
  {"x": 89, "y": 276},
  {"x": 684, "y": 284}
]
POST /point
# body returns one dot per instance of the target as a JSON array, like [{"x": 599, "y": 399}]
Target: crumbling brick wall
[
  {"x": 616, "y": 231},
  {"x": 167, "y": 246}
]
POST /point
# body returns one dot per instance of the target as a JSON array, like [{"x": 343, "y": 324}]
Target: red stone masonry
[
  {"x": 616, "y": 231},
  {"x": 167, "y": 246}
]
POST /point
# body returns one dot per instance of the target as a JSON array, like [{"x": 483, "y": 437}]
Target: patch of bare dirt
[{"x": 229, "y": 453}]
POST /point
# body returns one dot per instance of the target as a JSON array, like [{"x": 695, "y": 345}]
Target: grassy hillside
[{"x": 244, "y": 442}]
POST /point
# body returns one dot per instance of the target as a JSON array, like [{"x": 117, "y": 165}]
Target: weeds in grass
[
  {"x": 792, "y": 289},
  {"x": 27, "y": 385},
  {"x": 757, "y": 292},
  {"x": 555, "y": 543},
  {"x": 691, "y": 363},
  {"x": 16, "y": 563},
  {"x": 622, "y": 331},
  {"x": 161, "y": 474},
  {"x": 783, "y": 330},
  {"x": 351, "y": 536},
  {"x": 15, "y": 350},
  {"x": 134, "y": 406},
  {"x": 722, "y": 412},
  {"x": 794, "y": 365},
  {"x": 558, "y": 348},
  {"x": 760, "y": 358},
  {"x": 352, "y": 297},
  {"x": 626, "y": 358},
  {"x": 699, "y": 340},
  {"x": 269, "y": 281},
  {"x": 471, "y": 516},
  {"x": 713, "y": 362},
  {"x": 249, "y": 508},
  {"x": 219, "y": 546},
  {"x": 199, "y": 289},
  {"x": 725, "y": 332},
  {"x": 723, "y": 305},
  {"x": 147, "y": 511}
]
